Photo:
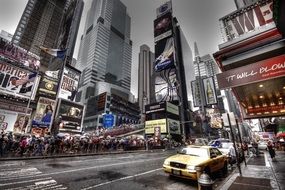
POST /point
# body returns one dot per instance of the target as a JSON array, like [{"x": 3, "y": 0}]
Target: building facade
[
  {"x": 145, "y": 87},
  {"x": 6, "y": 35},
  {"x": 43, "y": 23},
  {"x": 105, "y": 49}
]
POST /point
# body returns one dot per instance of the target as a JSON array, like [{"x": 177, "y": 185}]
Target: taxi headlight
[
  {"x": 191, "y": 168},
  {"x": 198, "y": 168},
  {"x": 166, "y": 162}
]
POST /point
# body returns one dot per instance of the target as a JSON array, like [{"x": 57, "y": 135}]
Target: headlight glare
[{"x": 166, "y": 162}]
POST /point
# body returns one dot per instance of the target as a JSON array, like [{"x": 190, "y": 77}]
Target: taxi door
[{"x": 215, "y": 160}]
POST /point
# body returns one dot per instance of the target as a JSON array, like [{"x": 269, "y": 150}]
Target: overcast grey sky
[{"x": 197, "y": 18}]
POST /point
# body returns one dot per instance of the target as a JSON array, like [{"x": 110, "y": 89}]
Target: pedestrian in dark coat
[{"x": 271, "y": 150}]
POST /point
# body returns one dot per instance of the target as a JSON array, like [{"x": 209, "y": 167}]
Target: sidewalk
[{"x": 261, "y": 173}]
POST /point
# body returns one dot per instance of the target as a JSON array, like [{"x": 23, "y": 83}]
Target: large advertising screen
[
  {"x": 163, "y": 27},
  {"x": 163, "y": 9},
  {"x": 72, "y": 115},
  {"x": 165, "y": 85},
  {"x": 19, "y": 55},
  {"x": 152, "y": 124},
  {"x": 164, "y": 54},
  {"x": 69, "y": 83},
  {"x": 16, "y": 81}
]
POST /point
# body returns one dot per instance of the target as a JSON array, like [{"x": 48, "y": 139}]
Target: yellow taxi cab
[{"x": 192, "y": 159}]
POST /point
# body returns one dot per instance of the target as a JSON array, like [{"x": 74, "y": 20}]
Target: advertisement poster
[
  {"x": 215, "y": 118},
  {"x": 48, "y": 86},
  {"x": 163, "y": 27},
  {"x": 164, "y": 54},
  {"x": 21, "y": 56},
  {"x": 44, "y": 112},
  {"x": 16, "y": 81},
  {"x": 69, "y": 84},
  {"x": 13, "y": 122},
  {"x": 150, "y": 125},
  {"x": 21, "y": 123},
  {"x": 173, "y": 126},
  {"x": 72, "y": 115},
  {"x": 210, "y": 91}
]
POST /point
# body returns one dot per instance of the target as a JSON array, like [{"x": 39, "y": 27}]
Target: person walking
[
  {"x": 232, "y": 156},
  {"x": 271, "y": 150}
]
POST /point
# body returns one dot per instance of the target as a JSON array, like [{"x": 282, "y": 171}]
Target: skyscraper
[
  {"x": 145, "y": 87},
  {"x": 205, "y": 66},
  {"x": 47, "y": 23},
  {"x": 105, "y": 49}
]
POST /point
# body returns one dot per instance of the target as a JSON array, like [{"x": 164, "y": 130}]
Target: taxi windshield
[{"x": 199, "y": 152}]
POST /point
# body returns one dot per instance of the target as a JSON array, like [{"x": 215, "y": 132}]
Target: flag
[
  {"x": 59, "y": 53},
  {"x": 52, "y": 74},
  {"x": 25, "y": 79}
]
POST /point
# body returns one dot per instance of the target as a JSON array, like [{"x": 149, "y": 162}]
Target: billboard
[
  {"x": 163, "y": 27},
  {"x": 252, "y": 73},
  {"x": 253, "y": 20},
  {"x": 72, "y": 115},
  {"x": 215, "y": 118},
  {"x": 16, "y": 81},
  {"x": 108, "y": 120},
  {"x": 48, "y": 86},
  {"x": 164, "y": 54},
  {"x": 150, "y": 125},
  {"x": 18, "y": 55},
  {"x": 197, "y": 101},
  {"x": 173, "y": 126},
  {"x": 11, "y": 121},
  {"x": 210, "y": 91},
  {"x": 45, "y": 110},
  {"x": 69, "y": 85}
]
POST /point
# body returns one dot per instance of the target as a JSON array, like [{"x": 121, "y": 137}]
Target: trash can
[{"x": 205, "y": 182}]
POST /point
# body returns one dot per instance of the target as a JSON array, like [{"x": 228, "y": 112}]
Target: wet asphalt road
[{"x": 135, "y": 171}]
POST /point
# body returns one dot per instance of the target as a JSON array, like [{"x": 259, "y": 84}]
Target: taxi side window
[{"x": 216, "y": 151}]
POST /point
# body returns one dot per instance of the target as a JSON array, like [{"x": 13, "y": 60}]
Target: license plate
[{"x": 176, "y": 172}]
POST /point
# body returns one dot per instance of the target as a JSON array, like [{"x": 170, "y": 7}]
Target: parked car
[
  {"x": 201, "y": 142},
  {"x": 192, "y": 159},
  {"x": 225, "y": 149},
  {"x": 217, "y": 142},
  {"x": 262, "y": 145}
]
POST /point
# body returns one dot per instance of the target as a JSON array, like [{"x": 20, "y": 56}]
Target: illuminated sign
[
  {"x": 150, "y": 125},
  {"x": 108, "y": 120},
  {"x": 256, "y": 72}
]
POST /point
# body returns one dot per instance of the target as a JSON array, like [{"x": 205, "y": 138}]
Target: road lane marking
[
  {"x": 121, "y": 179},
  {"x": 266, "y": 160},
  {"x": 27, "y": 181},
  {"x": 45, "y": 182},
  {"x": 88, "y": 168}
]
